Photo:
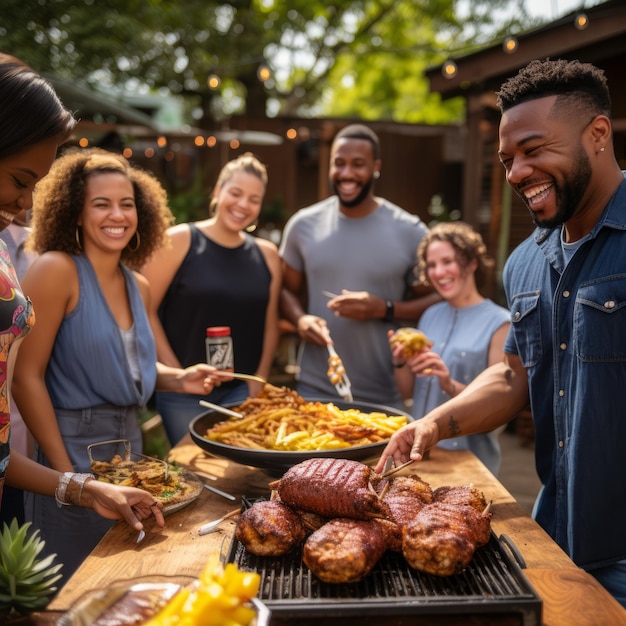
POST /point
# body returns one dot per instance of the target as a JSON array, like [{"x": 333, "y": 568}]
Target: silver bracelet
[
  {"x": 64, "y": 480},
  {"x": 59, "y": 492}
]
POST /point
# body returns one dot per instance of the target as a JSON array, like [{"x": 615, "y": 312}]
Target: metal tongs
[{"x": 343, "y": 386}]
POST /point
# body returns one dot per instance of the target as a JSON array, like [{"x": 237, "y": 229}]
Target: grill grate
[{"x": 492, "y": 583}]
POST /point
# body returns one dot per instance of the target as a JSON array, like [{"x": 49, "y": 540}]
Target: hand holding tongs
[{"x": 337, "y": 374}]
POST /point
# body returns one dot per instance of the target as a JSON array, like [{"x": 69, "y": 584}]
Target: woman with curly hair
[
  {"x": 467, "y": 330},
  {"x": 33, "y": 123},
  {"x": 90, "y": 362}
]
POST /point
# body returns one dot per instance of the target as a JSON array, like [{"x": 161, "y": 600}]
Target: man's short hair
[
  {"x": 568, "y": 80},
  {"x": 360, "y": 131}
]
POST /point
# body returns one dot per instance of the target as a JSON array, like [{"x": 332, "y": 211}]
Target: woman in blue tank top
[
  {"x": 33, "y": 123},
  {"x": 90, "y": 362},
  {"x": 467, "y": 330},
  {"x": 213, "y": 273}
]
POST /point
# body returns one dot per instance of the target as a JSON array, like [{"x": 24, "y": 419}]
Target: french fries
[{"x": 285, "y": 421}]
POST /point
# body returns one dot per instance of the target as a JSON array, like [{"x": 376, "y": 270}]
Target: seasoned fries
[{"x": 280, "y": 419}]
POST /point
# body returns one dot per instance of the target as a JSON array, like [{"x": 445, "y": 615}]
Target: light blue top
[
  {"x": 568, "y": 327},
  {"x": 88, "y": 365},
  {"x": 461, "y": 337},
  {"x": 373, "y": 253}
]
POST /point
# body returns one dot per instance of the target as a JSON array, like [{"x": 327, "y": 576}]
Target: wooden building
[{"x": 487, "y": 201}]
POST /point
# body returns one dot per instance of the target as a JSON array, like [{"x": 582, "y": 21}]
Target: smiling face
[
  {"x": 454, "y": 282},
  {"x": 18, "y": 175},
  {"x": 545, "y": 160},
  {"x": 239, "y": 200},
  {"x": 109, "y": 215},
  {"x": 352, "y": 167}
]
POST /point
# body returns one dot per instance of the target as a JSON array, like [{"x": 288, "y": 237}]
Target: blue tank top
[
  {"x": 88, "y": 364},
  {"x": 218, "y": 286}
]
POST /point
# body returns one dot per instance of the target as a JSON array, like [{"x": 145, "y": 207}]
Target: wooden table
[{"x": 570, "y": 596}]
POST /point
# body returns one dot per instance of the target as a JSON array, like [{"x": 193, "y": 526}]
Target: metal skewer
[
  {"x": 228, "y": 496},
  {"x": 395, "y": 470},
  {"x": 220, "y": 409},
  {"x": 211, "y": 526},
  {"x": 259, "y": 379}
]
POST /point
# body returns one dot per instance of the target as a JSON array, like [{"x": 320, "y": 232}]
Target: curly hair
[
  {"x": 30, "y": 109},
  {"x": 59, "y": 199},
  {"x": 581, "y": 88},
  {"x": 468, "y": 246},
  {"x": 245, "y": 162}
]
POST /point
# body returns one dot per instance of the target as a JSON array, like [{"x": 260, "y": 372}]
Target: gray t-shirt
[{"x": 375, "y": 253}]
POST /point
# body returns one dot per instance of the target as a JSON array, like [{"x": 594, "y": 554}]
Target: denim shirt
[{"x": 569, "y": 330}]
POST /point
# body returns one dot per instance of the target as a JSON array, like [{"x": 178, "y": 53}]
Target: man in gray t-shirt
[{"x": 362, "y": 248}]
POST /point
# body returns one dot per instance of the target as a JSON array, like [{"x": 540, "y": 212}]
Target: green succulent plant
[{"x": 26, "y": 583}]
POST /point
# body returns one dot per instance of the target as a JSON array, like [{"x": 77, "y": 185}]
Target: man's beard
[
  {"x": 360, "y": 197},
  {"x": 568, "y": 195}
]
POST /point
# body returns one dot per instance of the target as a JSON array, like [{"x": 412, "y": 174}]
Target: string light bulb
[
  {"x": 510, "y": 45},
  {"x": 264, "y": 73},
  {"x": 213, "y": 81},
  {"x": 581, "y": 21},
  {"x": 449, "y": 69}
]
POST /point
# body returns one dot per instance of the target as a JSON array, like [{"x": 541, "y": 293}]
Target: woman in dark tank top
[{"x": 216, "y": 274}]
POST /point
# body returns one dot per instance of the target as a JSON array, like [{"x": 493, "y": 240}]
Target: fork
[{"x": 343, "y": 386}]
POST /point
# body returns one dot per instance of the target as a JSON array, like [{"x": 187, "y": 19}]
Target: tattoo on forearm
[{"x": 454, "y": 430}]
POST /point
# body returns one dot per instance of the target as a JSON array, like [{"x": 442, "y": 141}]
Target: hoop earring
[
  {"x": 137, "y": 244},
  {"x": 250, "y": 228},
  {"x": 77, "y": 237}
]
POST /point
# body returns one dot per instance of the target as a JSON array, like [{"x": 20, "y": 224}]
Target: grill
[{"x": 492, "y": 583}]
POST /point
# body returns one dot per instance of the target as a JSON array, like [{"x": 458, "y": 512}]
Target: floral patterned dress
[{"x": 16, "y": 319}]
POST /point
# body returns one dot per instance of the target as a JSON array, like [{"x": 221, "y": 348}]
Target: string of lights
[{"x": 510, "y": 45}]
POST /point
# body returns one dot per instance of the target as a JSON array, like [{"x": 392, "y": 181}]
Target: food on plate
[
  {"x": 356, "y": 515},
  {"x": 280, "y": 419},
  {"x": 412, "y": 341},
  {"x": 332, "y": 488},
  {"x": 345, "y": 550},
  {"x": 132, "y": 606},
  {"x": 168, "y": 484},
  {"x": 220, "y": 596},
  {"x": 269, "y": 528}
]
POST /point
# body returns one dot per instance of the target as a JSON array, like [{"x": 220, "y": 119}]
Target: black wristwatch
[{"x": 389, "y": 313}]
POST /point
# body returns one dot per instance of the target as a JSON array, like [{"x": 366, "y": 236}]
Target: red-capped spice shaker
[{"x": 219, "y": 348}]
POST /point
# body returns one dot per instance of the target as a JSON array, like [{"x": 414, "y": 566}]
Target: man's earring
[{"x": 377, "y": 174}]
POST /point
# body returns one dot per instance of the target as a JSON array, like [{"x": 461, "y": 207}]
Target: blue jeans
[
  {"x": 73, "y": 532},
  {"x": 613, "y": 579},
  {"x": 178, "y": 409}
]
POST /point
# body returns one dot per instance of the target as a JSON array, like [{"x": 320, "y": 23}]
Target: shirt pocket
[
  {"x": 600, "y": 320},
  {"x": 526, "y": 325}
]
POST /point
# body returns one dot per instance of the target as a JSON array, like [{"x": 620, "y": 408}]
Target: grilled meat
[
  {"x": 442, "y": 538},
  {"x": 332, "y": 488},
  {"x": 405, "y": 497},
  {"x": 269, "y": 528},
  {"x": 465, "y": 494},
  {"x": 344, "y": 550}
]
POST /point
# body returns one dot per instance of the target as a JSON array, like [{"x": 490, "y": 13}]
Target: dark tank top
[{"x": 218, "y": 286}]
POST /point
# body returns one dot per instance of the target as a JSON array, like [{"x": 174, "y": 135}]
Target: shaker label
[{"x": 220, "y": 354}]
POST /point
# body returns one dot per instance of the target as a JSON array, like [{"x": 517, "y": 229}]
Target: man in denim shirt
[{"x": 566, "y": 288}]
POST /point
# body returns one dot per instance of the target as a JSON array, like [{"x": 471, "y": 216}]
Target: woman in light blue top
[
  {"x": 467, "y": 330},
  {"x": 90, "y": 362}
]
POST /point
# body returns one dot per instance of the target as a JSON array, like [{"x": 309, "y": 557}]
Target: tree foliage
[{"x": 352, "y": 57}]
